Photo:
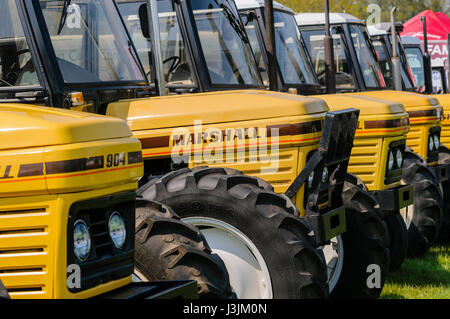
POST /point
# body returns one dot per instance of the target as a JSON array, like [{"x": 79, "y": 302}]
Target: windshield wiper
[
  {"x": 234, "y": 21},
  {"x": 62, "y": 22}
]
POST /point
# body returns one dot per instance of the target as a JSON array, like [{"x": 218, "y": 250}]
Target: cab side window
[{"x": 16, "y": 66}]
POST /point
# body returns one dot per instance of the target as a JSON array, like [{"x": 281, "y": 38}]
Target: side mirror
[{"x": 143, "y": 18}]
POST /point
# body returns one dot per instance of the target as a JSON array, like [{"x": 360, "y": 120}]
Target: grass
[{"x": 427, "y": 277}]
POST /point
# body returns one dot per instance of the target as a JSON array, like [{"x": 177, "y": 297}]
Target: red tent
[{"x": 438, "y": 26}]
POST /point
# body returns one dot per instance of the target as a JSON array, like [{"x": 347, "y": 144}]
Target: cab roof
[
  {"x": 306, "y": 19},
  {"x": 410, "y": 40},
  {"x": 383, "y": 28},
  {"x": 254, "y": 4}
]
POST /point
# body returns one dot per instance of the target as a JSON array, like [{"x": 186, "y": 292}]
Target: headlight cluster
[
  {"x": 394, "y": 162},
  {"x": 395, "y": 159},
  {"x": 434, "y": 141},
  {"x": 324, "y": 179},
  {"x": 82, "y": 242}
]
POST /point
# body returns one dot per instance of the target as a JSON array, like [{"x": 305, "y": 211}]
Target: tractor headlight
[
  {"x": 117, "y": 229},
  {"x": 391, "y": 160},
  {"x": 399, "y": 158},
  {"x": 310, "y": 180},
  {"x": 430, "y": 143},
  {"x": 437, "y": 142},
  {"x": 81, "y": 240},
  {"x": 325, "y": 175}
]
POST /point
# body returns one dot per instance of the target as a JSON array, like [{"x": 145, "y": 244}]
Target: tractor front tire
[
  {"x": 168, "y": 249},
  {"x": 269, "y": 252},
  {"x": 426, "y": 220},
  {"x": 365, "y": 245},
  {"x": 444, "y": 234},
  {"x": 399, "y": 240}
]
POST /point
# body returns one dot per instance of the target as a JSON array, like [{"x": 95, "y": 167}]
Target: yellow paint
[
  {"x": 212, "y": 108},
  {"x": 34, "y": 210},
  {"x": 371, "y": 146},
  {"x": 413, "y": 102}
]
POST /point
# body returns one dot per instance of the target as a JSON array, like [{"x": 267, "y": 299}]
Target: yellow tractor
[
  {"x": 357, "y": 71},
  {"x": 67, "y": 206},
  {"x": 87, "y": 62},
  {"x": 381, "y": 36},
  {"x": 204, "y": 48}
]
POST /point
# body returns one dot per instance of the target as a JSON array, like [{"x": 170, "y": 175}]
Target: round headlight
[
  {"x": 325, "y": 175},
  {"x": 391, "y": 160},
  {"x": 81, "y": 240},
  {"x": 431, "y": 143},
  {"x": 436, "y": 142},
  {"x": 117, "y": 230},
  {"x": 399, "y": 158},
  {"x": 310, "y": 179}
]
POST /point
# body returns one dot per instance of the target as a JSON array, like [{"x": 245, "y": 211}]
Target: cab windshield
[
  {"x": 224, "y": 43},
  {"x": 384, "y": 61},
  {"x": 407, "y": 75},
  {"x": 314, "y": 40},
  {"x": 293, "y": 61},
  {"x": 415, "y": 60},
  {"x": 90, "y": 42},
  {"x": 176, "y": 64},
  {"x": 370, "y": 69}
]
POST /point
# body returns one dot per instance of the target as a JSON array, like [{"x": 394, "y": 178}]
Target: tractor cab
[
  {"x": 203, "y": 45},
  {"x": 351, "y": 42},
  {"x": 381, "y": 36},
  {"x": 71, "y": 54},
  {"x": 295, "y": 70}
]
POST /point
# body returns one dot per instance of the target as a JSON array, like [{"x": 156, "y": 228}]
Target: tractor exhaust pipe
[
  {"x": 396, "y": 63},
  {"x": 426, "y": 59},
  {"x": 330, "y": 69},
  {"x": 270, "y": 45}
]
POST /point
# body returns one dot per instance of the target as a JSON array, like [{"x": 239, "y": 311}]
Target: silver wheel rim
[
  {"x": 407, "y": 215},
  {"x": 334, "y": 257},
  {"x": 138, "y": 276},
  {"x": 249, "y": 275}
]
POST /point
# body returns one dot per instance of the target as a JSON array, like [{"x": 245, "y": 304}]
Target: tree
[{"x": 406, "y": 9}]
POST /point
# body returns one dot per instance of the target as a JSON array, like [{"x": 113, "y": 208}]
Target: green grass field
[{"x": 427, "y": 277}]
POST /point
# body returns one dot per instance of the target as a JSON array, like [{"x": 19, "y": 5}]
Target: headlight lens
[
  {"x": 325, "y": 175},
  {"x": 391, "y": 160},
  {"x": 431, "y": 143},
  {"x": 436, "y": 142},
  {"x": 399, "y": 157},
  {"x": 81, "y": 240},
  {"x": 117, "y": 229},
  {"x": 310, "y": 180}
]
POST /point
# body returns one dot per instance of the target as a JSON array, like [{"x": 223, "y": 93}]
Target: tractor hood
[
  {"x": 408, "y": 99},
  {"x": 368, "y": 106},
  {"x": 211, "y": 108},
  {"x": 25, "y": 126}
]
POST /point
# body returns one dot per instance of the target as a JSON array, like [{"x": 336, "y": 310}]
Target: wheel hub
[
  {"x": 249, "y": 275},
  {"x": 334, "y": 257}
]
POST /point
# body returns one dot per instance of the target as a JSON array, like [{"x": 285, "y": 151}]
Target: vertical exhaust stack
[
  {"x": 426, "y": 59},
  {"x": 330, "y": 69},
  {"x": 396, "y": 63},
  {"x": 153, "y": 30},
  {"x": 270, "y": 45}
]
